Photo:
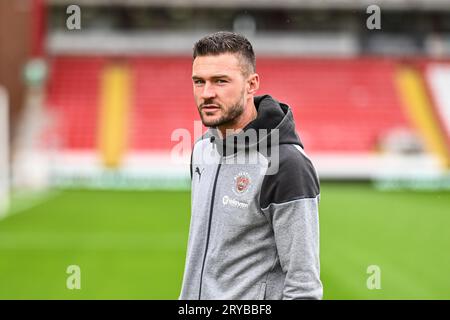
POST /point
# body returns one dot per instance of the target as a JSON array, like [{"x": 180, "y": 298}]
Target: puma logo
[{"x": 197, "y": 170}]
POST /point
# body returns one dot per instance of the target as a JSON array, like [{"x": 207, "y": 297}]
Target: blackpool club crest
[{"x": 242, "y": 183}]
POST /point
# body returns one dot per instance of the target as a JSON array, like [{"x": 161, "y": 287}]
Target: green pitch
[{"x": 131, "y": 245}]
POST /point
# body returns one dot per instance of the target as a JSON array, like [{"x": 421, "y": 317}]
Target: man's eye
[
  {"x": 198, "y": 81},
  {"x": 221, "y": 81}
]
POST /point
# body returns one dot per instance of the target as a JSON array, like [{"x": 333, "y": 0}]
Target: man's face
[{"x": 219, "y": 88}]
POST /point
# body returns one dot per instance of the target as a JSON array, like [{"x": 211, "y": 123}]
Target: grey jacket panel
[
  {"x": 296, "y": 229},
  {"x": 253, "y": 235}
]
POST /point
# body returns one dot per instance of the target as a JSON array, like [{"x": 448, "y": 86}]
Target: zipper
[{"x": 209, "y": 228}]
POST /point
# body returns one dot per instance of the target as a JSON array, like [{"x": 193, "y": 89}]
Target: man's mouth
[{"x": 210, "y": 107}]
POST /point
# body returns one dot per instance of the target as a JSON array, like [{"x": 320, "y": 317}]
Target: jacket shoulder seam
[{"x": 291, "y": 201}]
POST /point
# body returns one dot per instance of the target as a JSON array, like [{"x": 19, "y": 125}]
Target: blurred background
[{"x": 91, "y": 96}]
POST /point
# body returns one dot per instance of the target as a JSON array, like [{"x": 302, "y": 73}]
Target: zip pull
[{"x": 212, "y": 139}]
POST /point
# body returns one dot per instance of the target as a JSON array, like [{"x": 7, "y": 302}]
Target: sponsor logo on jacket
[{"x": 227, "y": 201}]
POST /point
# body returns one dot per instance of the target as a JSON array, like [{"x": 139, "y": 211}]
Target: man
[{"x": 254, "y": 231}]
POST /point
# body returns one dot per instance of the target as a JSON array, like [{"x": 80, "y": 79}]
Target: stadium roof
[{"x": 300, "y": 4}]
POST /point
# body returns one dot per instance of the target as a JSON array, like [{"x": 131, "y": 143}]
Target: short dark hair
[{"x": 226, "y": 42}]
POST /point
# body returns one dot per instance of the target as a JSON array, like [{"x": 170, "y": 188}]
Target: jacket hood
[{"x": 273, "y": 118}]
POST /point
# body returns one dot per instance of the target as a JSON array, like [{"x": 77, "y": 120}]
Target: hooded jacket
[{"x": 254, "y": 230}]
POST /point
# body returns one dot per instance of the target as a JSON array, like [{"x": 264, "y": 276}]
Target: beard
[{"x": 228, "y": 114}]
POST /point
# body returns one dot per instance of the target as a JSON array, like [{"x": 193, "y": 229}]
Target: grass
[{"x": 131, "y": 244}]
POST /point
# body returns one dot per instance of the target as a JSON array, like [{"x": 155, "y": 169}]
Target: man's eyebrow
[
  {"x": 220, "y": 76},
  {"x": 216, "y": 76}
]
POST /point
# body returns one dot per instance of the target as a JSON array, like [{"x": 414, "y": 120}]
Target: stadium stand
[
  {"x": 72, "y": 95},
  {"x": 341, "y": 105}
]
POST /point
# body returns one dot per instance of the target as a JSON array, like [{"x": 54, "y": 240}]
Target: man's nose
[{"x": 208, "y": 91}]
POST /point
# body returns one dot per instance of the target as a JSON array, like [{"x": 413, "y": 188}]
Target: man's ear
[{"x": 253, "y": 83}]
